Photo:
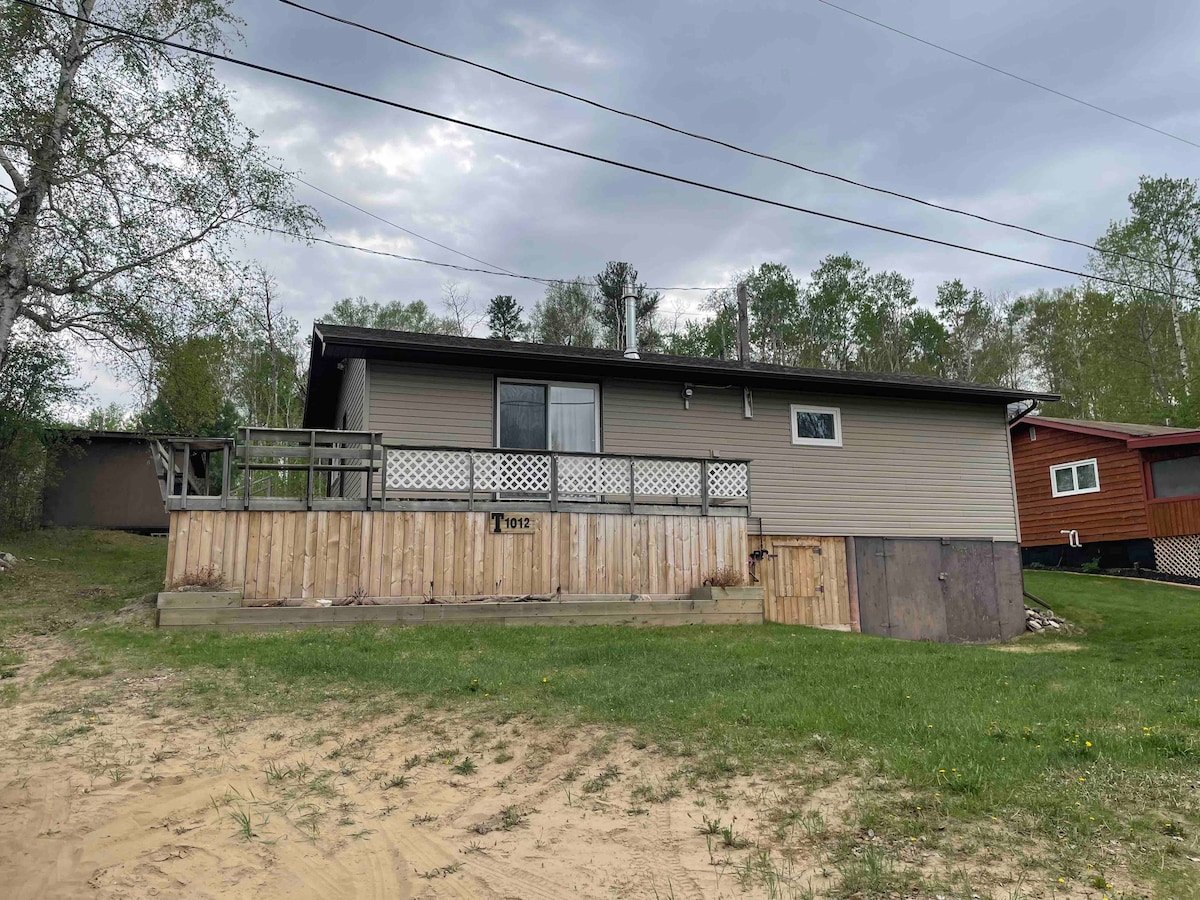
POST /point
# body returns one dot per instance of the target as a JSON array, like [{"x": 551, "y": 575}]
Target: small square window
[
  {"x": 1081, "y": 477},
  {"x": 817, "y": 426}
]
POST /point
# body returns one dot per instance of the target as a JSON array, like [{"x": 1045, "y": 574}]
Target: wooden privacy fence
[{"x": 411, "y": 555}]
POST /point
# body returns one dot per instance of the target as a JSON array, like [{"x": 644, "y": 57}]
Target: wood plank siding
[
  {"x": 905, "y": 467},
  {"x": 1116, "y": 512},
  {"x": 1169, "y": 518},
  {"x": 415, "y": 555}
]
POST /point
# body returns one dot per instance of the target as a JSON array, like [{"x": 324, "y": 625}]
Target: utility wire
[
  {"x": 581, "y": 154},
  {"x": 409, "y": 231},
  {"x": 1007, "y": 74},
  {"x": 716, "y": 141},
  {"x": 503, "y": 273}
]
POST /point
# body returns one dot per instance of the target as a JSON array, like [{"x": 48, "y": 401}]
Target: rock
[
  {"x": 7, "y": 558},
  {"x": 1039, "y": 620}
]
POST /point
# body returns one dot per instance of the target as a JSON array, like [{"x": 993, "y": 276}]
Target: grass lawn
[{"x": 1084, "y": 741}]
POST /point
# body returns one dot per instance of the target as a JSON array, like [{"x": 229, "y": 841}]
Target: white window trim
[
  {"x": 1074, "y": 478},
  {"x": 548, "y": 384},
  {"x": 817, "y": 442}
]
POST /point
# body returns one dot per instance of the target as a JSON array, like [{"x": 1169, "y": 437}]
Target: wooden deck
[{"x": 446, "y": 555}]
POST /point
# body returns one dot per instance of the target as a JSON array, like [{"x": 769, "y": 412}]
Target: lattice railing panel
[
  {"x": 428, "y": 470},
  {"x": 512, "y": 473},
  {"x": 517, "y": 473},
  {"x": 592, "y": 475},
  {"x": 666, "y": 477},
  {"x": 1178, "y": 555},
  {"x": 728, "y": 480}
]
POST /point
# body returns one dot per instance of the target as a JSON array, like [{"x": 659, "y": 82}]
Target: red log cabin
[{"x": 1115, "y": 492}]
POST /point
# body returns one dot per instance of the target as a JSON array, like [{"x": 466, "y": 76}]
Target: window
[
  {"x": 1081, "y": 477},
  {"x": 1176, "y": 477},
  {"x": 817, "y": 426},
  {"x": 548, "y": 416}
]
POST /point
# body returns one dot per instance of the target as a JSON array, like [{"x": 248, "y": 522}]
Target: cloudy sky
[{"x": 795, "y": 79}]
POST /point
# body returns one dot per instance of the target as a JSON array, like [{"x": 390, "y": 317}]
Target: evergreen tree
[{"x": 504, "y": 319}]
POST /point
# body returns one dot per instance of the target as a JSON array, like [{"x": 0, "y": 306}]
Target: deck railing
[{"x": 311, "y": 469}]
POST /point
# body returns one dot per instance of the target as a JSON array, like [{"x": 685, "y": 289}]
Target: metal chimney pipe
[{"x": 631, "y": 347}]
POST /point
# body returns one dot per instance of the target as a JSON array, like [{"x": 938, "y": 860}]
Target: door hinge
[
  {"x": 820, "y": 588},
  {"x": 816, "y": 550}
]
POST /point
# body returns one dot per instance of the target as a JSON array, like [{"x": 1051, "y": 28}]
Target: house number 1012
[{"x": 506, "y": 524}]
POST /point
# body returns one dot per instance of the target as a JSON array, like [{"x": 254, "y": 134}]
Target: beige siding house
[{"x": 861, "y": 491}]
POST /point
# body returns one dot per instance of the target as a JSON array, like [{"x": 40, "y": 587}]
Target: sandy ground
[{"x": 106, "y": 792}]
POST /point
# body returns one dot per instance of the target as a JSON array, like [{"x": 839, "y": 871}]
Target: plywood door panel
[
  {"x": 871, "y": 570},
  {"x": 969, "y": 591},
  {"x": 916, "y": 609}
]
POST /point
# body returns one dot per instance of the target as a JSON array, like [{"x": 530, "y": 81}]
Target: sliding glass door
[{"x": 548, "y": 416}]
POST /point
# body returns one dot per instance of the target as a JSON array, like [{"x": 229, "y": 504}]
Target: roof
[
  {"x": 333, "y": 343},
  {"x": 73, "y": 432},
  {"x": 1131, "y": 433}
]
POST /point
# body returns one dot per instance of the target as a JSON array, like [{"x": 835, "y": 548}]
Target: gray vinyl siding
[
  {"x": 907, "y": 468},
  {"x": 352, "y": 402},
  {"x": 432, "y": 404}
]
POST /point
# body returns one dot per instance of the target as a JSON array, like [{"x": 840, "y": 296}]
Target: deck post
[
  {"x": 312, "y": 453},
  {"x": 246, "y": 464},
  {"x": 187, "y": 468},
  {"x": 704, "y": 487},
  {"x": 225, "y": 469},
  {"x": 632, "y": 484},
  {"x": 383, "y": 475},
  {"x": 471, "y": 480},
  {"x": 553, "y": 482},
  {"x": 749, "y": 508}
]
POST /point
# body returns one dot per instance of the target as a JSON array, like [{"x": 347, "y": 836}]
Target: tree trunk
[{"x": 17, "y": 247}]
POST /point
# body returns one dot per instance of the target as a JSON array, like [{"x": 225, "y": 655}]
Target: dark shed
[{"x": 104, "y": 479}]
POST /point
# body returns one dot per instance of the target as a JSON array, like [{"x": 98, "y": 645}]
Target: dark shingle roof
[
  {"x": 1129, "y": 429},
  {"x": 333, "y": 342}
]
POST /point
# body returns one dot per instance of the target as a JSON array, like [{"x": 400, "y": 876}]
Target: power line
[
  {"x": 503, "y": 273},
  {"x": 1007, "y": 74},
  {"x": 712, "y": 140},
  {"x": 409, "y": 231},
  {"x": 446, "y": 265},
  {"x": 581, "y": 154}
]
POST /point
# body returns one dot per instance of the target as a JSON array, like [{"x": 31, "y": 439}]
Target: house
[
  {"x": 1124, "y": 494},
  {"x": 438, "y": 469},
  {"x": 103, "y": 479}
]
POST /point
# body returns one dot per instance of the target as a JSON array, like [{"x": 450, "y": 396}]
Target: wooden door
[{"x": 799, "y": 572}]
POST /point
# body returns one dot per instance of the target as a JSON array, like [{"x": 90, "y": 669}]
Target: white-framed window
[
  {"x": 816, "y": 426},
  {"x": 1082, "y": 477}
]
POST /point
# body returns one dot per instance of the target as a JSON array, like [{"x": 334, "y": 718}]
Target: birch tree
[{"x": 126, "y": 175}]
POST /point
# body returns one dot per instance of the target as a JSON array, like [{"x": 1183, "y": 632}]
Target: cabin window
[
  {"x": 1176, "y": 477},
  {"x": 1081, "y": 477},
  {"x": 542, "y": 415},
  {"x": 816, "y": 426}
]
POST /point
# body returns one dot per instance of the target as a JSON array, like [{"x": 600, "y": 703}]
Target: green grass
[
  {"x": 1075, "y": 747},
  {"x": 72, "y": 575}
]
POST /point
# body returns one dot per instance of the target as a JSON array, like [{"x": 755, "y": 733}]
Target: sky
[{"x": 794, "y": 79}]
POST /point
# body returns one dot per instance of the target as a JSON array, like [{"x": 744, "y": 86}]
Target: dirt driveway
[{"x": 110, "y": 787}]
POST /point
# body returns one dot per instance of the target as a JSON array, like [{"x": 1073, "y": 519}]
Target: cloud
[{"x": 794, "y": 80}]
